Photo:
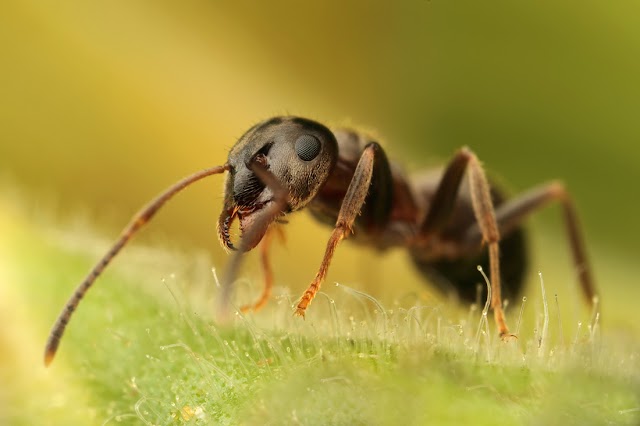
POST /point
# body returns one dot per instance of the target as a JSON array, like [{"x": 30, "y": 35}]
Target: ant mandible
[{"x": 286, "y": 163}]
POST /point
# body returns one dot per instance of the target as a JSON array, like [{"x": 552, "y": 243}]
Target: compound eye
[{"x": 307, "y": 147}]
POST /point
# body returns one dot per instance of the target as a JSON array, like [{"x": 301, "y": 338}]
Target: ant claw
[
  {"x": 507, "y": 337},
  {"x": 300, "y": 312}
]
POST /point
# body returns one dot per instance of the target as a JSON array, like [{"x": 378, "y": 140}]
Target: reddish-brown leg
[
  {"x": 442, "y": 206},
  {"x": 349, "y": 210},
  {"x": 265, "y": 245},
  {"x": 513, "y": 212},
  {"x": 485, "y": 215}
]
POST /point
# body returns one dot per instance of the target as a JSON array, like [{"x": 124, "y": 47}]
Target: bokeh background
[{"x": 104, "y": 104}]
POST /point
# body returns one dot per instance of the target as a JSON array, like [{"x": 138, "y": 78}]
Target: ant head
[{"x": 298, "y": 152}]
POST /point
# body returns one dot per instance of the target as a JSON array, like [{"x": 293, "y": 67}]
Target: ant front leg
[
  {"x": 265, "y": 246},
  {"x": 442, "y": 206},
  {"x": 372, "y": 163},
  {"x": 511, "y": 214}
]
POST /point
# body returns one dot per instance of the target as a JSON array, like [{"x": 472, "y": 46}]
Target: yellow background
[{"x": 104, "y": 104}]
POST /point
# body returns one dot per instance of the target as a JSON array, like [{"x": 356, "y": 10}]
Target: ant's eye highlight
[{"x": 307, "y": 147}]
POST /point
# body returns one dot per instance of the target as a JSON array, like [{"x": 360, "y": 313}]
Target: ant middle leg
[{"x": 442, "y": 208}]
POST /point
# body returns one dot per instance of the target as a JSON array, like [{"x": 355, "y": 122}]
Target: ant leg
[
  {"x": 446, "y": 195},
  {"x": 442, "y": 206},
  {"x": 511, "y": 214},
  {"x": 137, "y": 222},
  {"x": 372, "y": 157},
  {"x": 255, "y": 231},
  {"x": 265, "y": 244}
]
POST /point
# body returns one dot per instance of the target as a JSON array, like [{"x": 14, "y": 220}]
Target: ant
[{"x": 449, "y": 225}]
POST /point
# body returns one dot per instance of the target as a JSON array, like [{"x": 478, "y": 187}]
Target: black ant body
[{"x": 449, "y": 225}]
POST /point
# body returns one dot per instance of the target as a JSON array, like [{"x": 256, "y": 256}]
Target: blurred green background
[{"x": 104, "y": 104}]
